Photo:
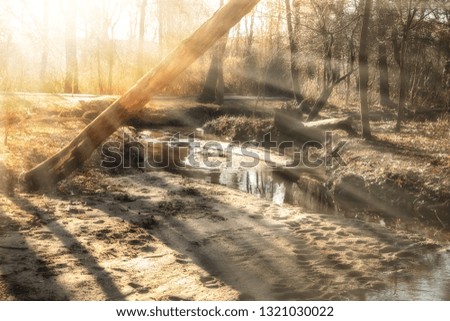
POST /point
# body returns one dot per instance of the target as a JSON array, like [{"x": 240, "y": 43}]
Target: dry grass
[
  {"x": 239, "y": 128},
  {"x": 32, "y": 131}
]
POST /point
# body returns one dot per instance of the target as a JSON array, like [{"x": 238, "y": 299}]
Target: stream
[{"x": 429, "y": 282}]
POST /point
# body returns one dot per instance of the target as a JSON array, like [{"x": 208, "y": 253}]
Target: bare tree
[
  {"x": 109, "y": 14},
  {"x": 411, "y": 13},
  {"x": 249, "y": 31},
  {"x": 383, "y": 14},
  {"x": 162, "y": 25},
  {"x": 71, "y": 80},
  {"x": 293, "y": 44},
  {"x": 140, "y": 58},
  {"x": 213, "y": 88},
  {"x": 44, "y": 54},
  {"x": 326, "y": 26},
  {"x": 111, "y": 21},
  {"x": 364, "y": 70},
  {"x": 101, "y": 36},
  {"x": 250, "y": 72},
  {"x": 350, "y": 64}
]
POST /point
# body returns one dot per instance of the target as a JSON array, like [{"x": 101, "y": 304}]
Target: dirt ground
[{"x": 160, "y": 236}]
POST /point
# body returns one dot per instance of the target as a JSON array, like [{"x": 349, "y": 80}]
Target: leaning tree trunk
[
  {"x": 329, "y": 80},
  {"x": 324, "y": 95},
  {"x": 72, "y": 156},
  {"x": 320, "y": 102}
]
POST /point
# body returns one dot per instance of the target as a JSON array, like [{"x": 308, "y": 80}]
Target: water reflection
[
  {"x": 269, "y": 184},
  {"x": 431, "y": 282}
]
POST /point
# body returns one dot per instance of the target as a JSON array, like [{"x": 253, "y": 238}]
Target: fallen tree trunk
[
  {"x": 312, "y": 132},
  {"x": 71, "y": 157},
  {"x": 333, "y": 124}
]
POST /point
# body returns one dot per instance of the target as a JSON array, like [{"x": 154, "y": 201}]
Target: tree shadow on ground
[
  {"x": 252, "y": 250},
  {"x": 15, "y": 248},
  {"x": 262, "y": 257},
  {"x": 78, "y": 250}
]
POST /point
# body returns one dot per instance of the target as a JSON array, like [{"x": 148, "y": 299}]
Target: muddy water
[{"x": 427, "y": 280}]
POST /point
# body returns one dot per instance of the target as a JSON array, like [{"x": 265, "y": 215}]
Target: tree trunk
[
  {"x": 99, "y": 67},
  {"x": 403, "y": 84},
  {"x": 401, "y": 57},
  {"x": 71, "y": 80},
  {"x": 293, "y": 49},
  {"x": 111, "y": 49},
  {"x": 364, "y": 71},
  {"x": 332, "y": 124},
  {"x": 324, "y": 95},
  {"x": 351, "y": 63},
  {"x": 161, "y": 29},
  {"x": 249, "y": 33},
  {"x": 44, "y": 55},
  {"x": 327, "y": 61},
  {"x": 383, "y": 67},
  {"x": 213, "y": 88},
  {"x": 385, "y": 94},
  {"x": 220, "y": 89},
  {"x": 140, "y": 55},
  {"x": 101, "y": 37},
  {"x": 320, "y": 103},
  {"x": 300, "y": 132},
  {"x": 250, "y": 76},
  {"x": 71, "y": 157},
  {"x": 328, "y": 81}
]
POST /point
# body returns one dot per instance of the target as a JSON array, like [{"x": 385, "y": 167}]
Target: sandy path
[{"x": 159, "y": 236}]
